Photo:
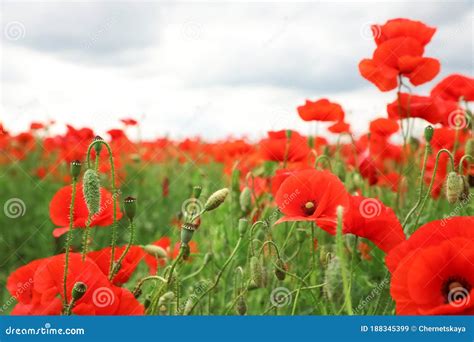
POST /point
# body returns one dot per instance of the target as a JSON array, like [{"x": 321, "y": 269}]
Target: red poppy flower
[
  {"x": 277, "y": 147},
  {"x": 432, "y": 109},
  {"x": 371, "y": 219},
  {"x": 321, "y": 110},
  {"x": 368, "y": 170},
  {"x": 165, "y": 243},
  {"x": 454, "y": 87},
  {"x": 383, "y": 127},
  {"x": 45, "y": 296},
  {"x": 312, "y": 195},
  {"x": 400, "y": 48},
  {"x": 129, "y": 122},
  {"x": 59, "y": 210},
  {"x": 278, "y": 178},
  {"x": 433, "y": 272},
  {"x": 340, "y": 127},
  {"x": 401, "y": 27},
  {"x": 128, "y": 266}
]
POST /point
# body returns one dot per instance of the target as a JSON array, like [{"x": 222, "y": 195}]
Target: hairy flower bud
[
  {"x": 91, "y": 189},
  {"x": 216, "y": 199},
  {"x": 280, "y": 270},
  {"x": 243, "y": 225},
  {"x": 78, "y": 290},
  {"x": 256, "y": 272},
  {"x": 75, "y": 169},
  {"x": 241, "y": 306},
  {"x": 245, "y": 200},
  {"x": 454, "y": 187},
  {"x": 155, "y": 251},
  {"x": 197, "y": 191}
]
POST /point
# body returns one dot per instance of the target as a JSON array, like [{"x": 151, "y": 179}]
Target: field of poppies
[{"x": 335, "y": 224}]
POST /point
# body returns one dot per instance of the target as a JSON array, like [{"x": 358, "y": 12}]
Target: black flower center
[
  {"x": 455, "y": 290},
  {"x": 309, "y": 208}
]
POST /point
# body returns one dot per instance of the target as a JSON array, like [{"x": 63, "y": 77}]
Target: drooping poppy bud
[
  {"x": 216, "y": 199},
  {"x": 130, "y": 207},
  {"x": 280, "y": 270},
  {"x": 245, "y": 200},
  {"x": 256, "y": 271},
  {"x": 197, "y": 191},
  {"x": 241, "y": 306},
  {"x": 429, "y": 130},
  {"x": 454, "y": 187},
  {"x": 78, "y": 290},
  {"x": 92, "y": 191},
  {"x": 243, "y": 225},
  {"x": 75, "y": 169},
  {"x": 155, "y": 251},
  {"x": 166, "y": 298}
]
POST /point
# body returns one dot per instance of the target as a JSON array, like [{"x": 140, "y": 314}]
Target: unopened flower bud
[
  {"x": 75, "y": 169},
  {"x": 454, "y": 187},
  {"x": 91, "y": 189},
  {"x": 130, "y": 207},
  {"x": 241, "y": 306},
  {"x": 245, "y": 200},
  {"x": 166, "y": 298},
  {"x": 280, "y": 270},
  {"x": 256, "y": 271},
  {"x": 78, "y": 290},
  {"x": 216, "y": 199},
  {"x": 243, "y": 225},
  {"x": 155, "y": 251},
  {"x": 429, "y": 130},
  {"x": 197, "y": 191}
]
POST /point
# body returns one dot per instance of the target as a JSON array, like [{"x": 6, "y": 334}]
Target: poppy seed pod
[
  {"x": 245, "y": 200},
  {"x": 130, "y": 207},
  {"x": 155, "y": 251},
  {"x": 429, "y": 130},
  {"x": 216, "y": 199},
  {"x": 92, "y": 191},
  {"x": 243, "y": 225},
  {"x": 78, "y": 290},
  {"x": 98, "y": 146},
  {"x": 454, "y": 187},
  {"x": 186, "y": 234},
  {"x": 75, "y": 169}
]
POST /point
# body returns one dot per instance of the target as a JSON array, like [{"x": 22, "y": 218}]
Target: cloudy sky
[{"x": 205, "y": 68}]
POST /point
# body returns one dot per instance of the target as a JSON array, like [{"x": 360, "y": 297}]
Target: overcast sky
[{"x": 205, "y": 68}]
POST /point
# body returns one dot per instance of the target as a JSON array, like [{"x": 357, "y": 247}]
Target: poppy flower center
[
  {"x": 456, "y": 290},
  {"x": 309, "y": 208}
]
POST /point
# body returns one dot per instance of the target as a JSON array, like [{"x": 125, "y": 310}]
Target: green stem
[
  {"x": 69, "y": 238},
  {"x": 118, "y": 264},
  {"x": 342, "y": 258}
]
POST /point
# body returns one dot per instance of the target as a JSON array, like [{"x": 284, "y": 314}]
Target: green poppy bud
[
  {"x": 243, "y": 225},
  {"x": 280, "y": 270},
  {"x": 216, "y": 199},
  {"x": 245, "y": 200},
  {"x": 197, "y": 191},
  {"x": 78, "y": 290},
  {"x": 166, "y": 298},
  {"x": 75, "y": 169},
  {"x": 91, "y": 189},
  {"x": 256, "y": 272},
  {"x": 130, "y": 207},
  {"x": 155, "y": 251},
  {"x": 98, "y": 146},
  {"x": 241, "y": 306}
]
